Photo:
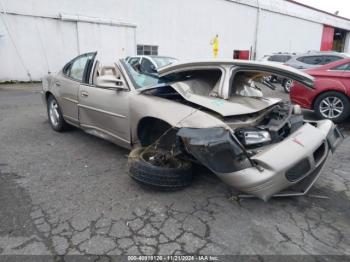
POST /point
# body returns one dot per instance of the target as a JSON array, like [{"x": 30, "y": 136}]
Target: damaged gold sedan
[{"x": 211, "y": 113}]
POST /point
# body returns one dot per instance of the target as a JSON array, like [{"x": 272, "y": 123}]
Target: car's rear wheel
[
  {"x": 159, "y": 171},
  {"x": 55, "y": 115},
  {"x": 287, "y": 85},
  {"x": 332, "y": 105}
]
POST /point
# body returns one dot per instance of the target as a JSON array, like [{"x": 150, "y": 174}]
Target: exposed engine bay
[{"x": 276, "y": 125}]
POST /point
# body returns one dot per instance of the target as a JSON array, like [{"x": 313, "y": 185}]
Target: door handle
[
  {"x": 84, "y": 94},
  {"x": 57, "y": 83}
]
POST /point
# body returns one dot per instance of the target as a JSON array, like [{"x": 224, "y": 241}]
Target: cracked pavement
[{"x": 69, "y": 193}]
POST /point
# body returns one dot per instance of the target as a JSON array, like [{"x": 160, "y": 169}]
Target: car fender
[
  {"x": 48, "y": 88},
  {"x": 174, "y": 113},
  {"x": 325, "y": 85}
]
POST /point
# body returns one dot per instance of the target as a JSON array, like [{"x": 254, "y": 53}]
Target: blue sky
[{"x": 343, "y": 6}]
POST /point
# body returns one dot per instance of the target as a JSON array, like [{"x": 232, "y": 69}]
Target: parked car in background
[
  {"x": 314, "y": 59},
  {"x": 330, "y": 97},
  {"x": 208, "y": 112},
  {"x": 278, "y": 57},
  {"x": 311, "y": 59},
  {"x": 281, "y": 58},
  {"x": 149, "y": 64}
]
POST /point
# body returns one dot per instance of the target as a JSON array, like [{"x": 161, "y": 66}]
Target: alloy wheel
[
  {"x": 288, "y": 85},
  {"x": 53, "y": 113},
  {"x": 331, "y": 107}
]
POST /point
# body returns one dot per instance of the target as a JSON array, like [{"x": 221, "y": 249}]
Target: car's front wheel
[
  {"x": 55, "y": 115},
  {"x": 159, "y": 171},
  {"x": 332, "y": 105}
]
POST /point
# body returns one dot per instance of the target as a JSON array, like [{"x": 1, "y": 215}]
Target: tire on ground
[
  {"x": 157, "y": 177},
  {"x": 62, "y": 125},
  {"x": 346, "y": 111}
]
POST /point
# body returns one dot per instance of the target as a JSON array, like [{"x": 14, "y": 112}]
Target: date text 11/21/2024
[{"x": 173, "y": 258}]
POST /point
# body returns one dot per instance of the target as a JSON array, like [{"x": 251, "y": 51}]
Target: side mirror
[{"x": 111, "y": 82}]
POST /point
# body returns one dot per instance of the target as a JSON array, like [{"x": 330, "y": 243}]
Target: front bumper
[{"x": 297, "y": 162}]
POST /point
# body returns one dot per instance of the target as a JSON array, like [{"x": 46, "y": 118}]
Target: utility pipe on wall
[{"x": 256, "y": 30}]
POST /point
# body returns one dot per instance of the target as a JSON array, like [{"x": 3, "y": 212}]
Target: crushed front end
[{"x": 280, "y": 151}]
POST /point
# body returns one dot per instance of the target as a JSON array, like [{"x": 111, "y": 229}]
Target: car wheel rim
[
  {"x": 161, "y": 160},
  {"x": 288, "y": 85},
  {"x": 53, "y": 113},
  {"x": 331, "y": 107}
]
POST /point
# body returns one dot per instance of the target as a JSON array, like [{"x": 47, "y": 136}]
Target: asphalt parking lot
[{"x": 69, "y": 193}]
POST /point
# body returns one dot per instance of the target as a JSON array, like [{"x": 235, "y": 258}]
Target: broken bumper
[{"x": 296, "y": 162}]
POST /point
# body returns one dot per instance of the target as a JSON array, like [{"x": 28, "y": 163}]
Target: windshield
[
  {"x": 163, "y": 61},
  {"x": 141, "y": 80}
]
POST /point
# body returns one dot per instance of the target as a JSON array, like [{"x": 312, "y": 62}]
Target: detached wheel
[
  {"x": 332, "y": 105},
  {"x": 55, "y": 115},
  {"x": 287, "y": 85},
  {"x": 150, "y": 169}
]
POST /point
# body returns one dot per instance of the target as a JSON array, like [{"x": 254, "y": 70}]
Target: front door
[{"x": 105, "y": 113}]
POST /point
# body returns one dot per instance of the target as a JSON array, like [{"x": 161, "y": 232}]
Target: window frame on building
[{"x": 147, "y": 49}]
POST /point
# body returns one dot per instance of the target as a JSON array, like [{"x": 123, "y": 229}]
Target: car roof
[
  {"x": 281, "y": 54},
  {"x": 324, "y": 53}
]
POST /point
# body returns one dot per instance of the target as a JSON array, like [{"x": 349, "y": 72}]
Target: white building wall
[
  {"x": 186, "y": 32},
  {"x": 32, "y": 36},
  {"x": 280, "y": 33},
  {"x": 44, "y": 45},
  {"x": 181, "y": 28}
]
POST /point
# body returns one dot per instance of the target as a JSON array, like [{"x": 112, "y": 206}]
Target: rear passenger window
[
  {"x": 330, "y": 59},
  {"x": 279, "y": 58},
  {"x": 342, "y": 67},
  {"x": 76, "y": 68},
  {"x": 311, "y": 60}
]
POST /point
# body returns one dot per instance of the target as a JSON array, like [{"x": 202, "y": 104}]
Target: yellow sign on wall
[{"x": 215, "y": 45}]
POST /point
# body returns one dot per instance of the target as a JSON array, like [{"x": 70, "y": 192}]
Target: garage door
[{"x": 111, "y": 42}]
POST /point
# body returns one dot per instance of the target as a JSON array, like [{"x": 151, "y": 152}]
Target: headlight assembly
[{"x": 253, "y": 137}]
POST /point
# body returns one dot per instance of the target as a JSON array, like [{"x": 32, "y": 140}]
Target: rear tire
[
  {"x": 177, "y": 175},
  {"x": 55, "y": 115},
  {"x": 332, "y": 105}
]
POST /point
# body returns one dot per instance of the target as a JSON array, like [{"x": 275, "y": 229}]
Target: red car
[{"x": 330, "y": 97}]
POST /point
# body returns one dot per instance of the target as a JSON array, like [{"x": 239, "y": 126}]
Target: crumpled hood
[{"x": 239, "y": 105}]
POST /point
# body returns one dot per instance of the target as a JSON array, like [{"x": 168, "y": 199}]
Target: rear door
[
  {"x": 68, "y": 82},
  {"x": 343, "y": 73}
]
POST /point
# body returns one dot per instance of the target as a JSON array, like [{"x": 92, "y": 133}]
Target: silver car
[
  {"x": 314, "y": 59},
  {"x": 149, "y": 63},
  {"x": 208, "y": 112}
]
